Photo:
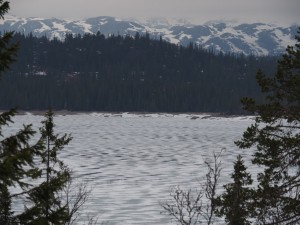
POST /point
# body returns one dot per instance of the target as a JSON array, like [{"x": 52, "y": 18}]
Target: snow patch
[
  {"x": 86, "y": 27},
  {"x": 60, "y": 27}
]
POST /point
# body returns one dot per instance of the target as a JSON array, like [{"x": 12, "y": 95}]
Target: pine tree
[
  {"x": 276, "y": 137},
  {"x": 235, "y": 202},
  {"x": 48, "y": 205}
]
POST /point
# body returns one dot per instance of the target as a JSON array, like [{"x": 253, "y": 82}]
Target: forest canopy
[{"x": 124, "y": 73}]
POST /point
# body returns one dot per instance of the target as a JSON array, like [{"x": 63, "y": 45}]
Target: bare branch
[{"x": 193, "y": 207}]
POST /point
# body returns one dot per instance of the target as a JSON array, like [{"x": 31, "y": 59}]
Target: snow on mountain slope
[{"x": 255, "y": 38}]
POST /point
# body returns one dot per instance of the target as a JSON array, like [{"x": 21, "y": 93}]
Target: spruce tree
[
  {"x": 276, "y": 138},
  {"x": 20, "y": 167},
  {"x": 48, "y": 205},
  {"x": 16, "y": 154},
  {"x": 8, "y": 51},
  {"x": 235, "y": 203},
  {"x": 16, "y": 165}
]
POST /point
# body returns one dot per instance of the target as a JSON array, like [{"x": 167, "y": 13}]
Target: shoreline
[{"x": 120, "y": 113}]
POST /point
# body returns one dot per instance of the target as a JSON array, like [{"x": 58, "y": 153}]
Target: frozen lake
[{"x": 132, "y": 160}]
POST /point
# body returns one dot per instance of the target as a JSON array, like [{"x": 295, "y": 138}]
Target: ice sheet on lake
[{"x": 132, "y": 160}]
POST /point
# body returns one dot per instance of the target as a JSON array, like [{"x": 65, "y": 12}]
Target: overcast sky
[{"x": 277, "y": 11}]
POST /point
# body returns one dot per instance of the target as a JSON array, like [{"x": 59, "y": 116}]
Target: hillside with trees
[{"x": 124, "y": 73}]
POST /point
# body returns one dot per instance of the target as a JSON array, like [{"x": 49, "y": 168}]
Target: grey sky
[{"x": 278, "y": 11}]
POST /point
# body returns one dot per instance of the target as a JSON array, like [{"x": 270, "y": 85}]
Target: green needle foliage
[
  {"x": 16, "y": 164},
  {"x": 49, "y": 207},
  {"x": 276, "y": 137},
  {"x": 6, "y": 215},
  {"x": 33, "y": 168},
  {"x": 235, "y": 203},
  {"x": 8, "y": 51},
  {"x": 16, "y": 154}
]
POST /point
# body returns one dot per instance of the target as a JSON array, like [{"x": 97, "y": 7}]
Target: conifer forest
[{"x": 117, "y": 73}]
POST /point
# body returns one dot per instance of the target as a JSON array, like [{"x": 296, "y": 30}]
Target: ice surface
[{"x": 132, "y": 160}]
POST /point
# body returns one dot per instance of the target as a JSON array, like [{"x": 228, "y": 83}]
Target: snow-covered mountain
[{"x": 255, "y": 38}]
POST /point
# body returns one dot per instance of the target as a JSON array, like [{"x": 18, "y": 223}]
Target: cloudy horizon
[{"x": 196, "y": 11}]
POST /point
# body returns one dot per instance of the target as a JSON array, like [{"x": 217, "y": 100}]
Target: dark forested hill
[{"x": 123, "y": 73}]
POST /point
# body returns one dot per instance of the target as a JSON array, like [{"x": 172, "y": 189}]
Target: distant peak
[{"x": 221, "y": 35}]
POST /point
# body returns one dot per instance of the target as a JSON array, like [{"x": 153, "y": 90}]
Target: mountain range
[{"x": 243, "y": 38}]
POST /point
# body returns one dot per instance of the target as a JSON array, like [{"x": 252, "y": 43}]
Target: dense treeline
[{"x": 116, "y": 73}]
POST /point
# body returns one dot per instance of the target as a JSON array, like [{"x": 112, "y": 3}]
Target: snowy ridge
[{"x": 255, "y": 38}]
